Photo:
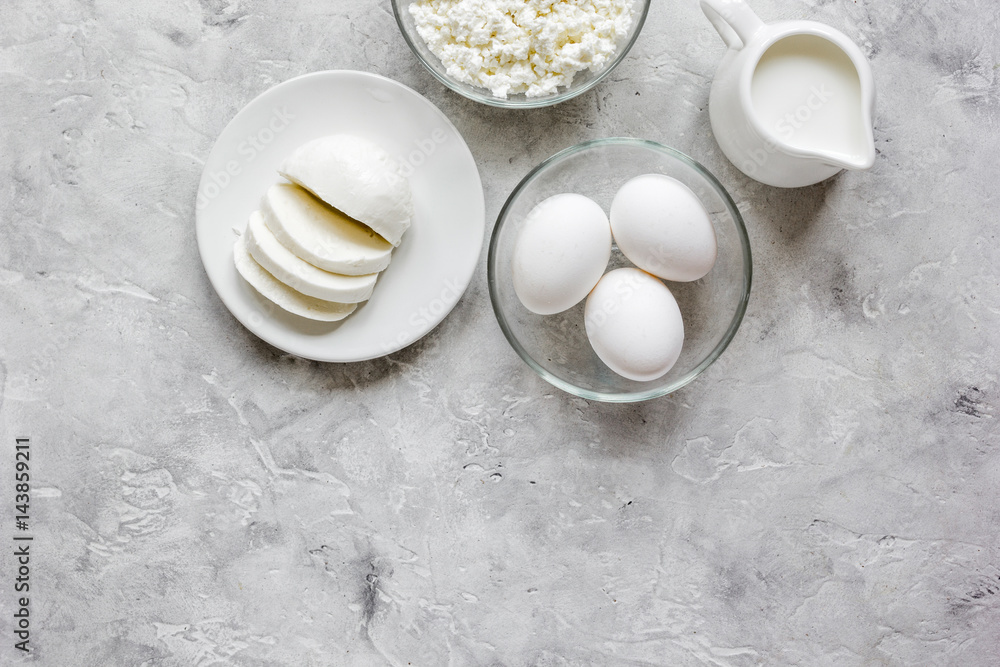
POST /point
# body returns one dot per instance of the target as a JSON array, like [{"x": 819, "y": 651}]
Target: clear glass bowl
[
  {"x": 556, "y": 346},
  {"x": 581, "y": 82}
]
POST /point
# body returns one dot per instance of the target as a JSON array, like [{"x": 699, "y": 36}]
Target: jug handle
[{"x": 732, "y": 19}]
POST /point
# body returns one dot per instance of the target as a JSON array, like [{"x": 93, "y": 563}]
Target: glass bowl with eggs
[
  {"x": 619, "y": 270},
  {"x": 534, "y": 55}
]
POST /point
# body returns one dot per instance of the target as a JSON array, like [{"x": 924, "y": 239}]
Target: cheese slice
[
  {"x": 283, "y": 295},
  {"x": 300, "y": 275},
  {"x": 357, "y": 177},
  {"x": 320, "y": 235}
]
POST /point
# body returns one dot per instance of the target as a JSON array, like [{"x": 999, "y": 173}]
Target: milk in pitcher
[{"x": 806, "y": 91}]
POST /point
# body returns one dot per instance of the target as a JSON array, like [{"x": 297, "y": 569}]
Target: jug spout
[{"x": 856, "y": 160}]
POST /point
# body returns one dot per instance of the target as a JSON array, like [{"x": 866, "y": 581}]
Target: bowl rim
[
  {"x": 520, "y": 103},
  {"x": 627, "y": 397}
]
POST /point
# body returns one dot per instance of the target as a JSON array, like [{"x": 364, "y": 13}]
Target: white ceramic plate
[{"x": 430, "y": 269}]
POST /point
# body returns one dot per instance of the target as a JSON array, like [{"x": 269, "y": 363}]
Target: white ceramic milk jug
[{"x": 792, "y": 102}]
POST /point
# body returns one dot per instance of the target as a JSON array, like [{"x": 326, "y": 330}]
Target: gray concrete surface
[{"x": 826, "y": 494}]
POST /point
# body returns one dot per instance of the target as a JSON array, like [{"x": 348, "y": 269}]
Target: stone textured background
[{"x": 826, "y": 494}]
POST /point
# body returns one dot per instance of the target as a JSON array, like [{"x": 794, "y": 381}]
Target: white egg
[
  {"x": 663, "y": 228},
  {"x": 560, "y": 253},
  {"x": 634, "y": 324}
]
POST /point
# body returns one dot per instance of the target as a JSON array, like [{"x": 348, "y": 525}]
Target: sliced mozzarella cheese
[
  {"x": 357, "y": 177},
  {"x": 320, "y": 235},
  {"x": 300, "y": 275},
  {"x": 282, "y": 295}
]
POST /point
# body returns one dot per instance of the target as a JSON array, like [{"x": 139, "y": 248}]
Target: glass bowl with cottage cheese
[
  {"x": 520, "y": 53},
  {"x": 559, "y": 346}
]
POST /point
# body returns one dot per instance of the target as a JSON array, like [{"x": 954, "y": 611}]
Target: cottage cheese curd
[{"x": 522, "y": 46}]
